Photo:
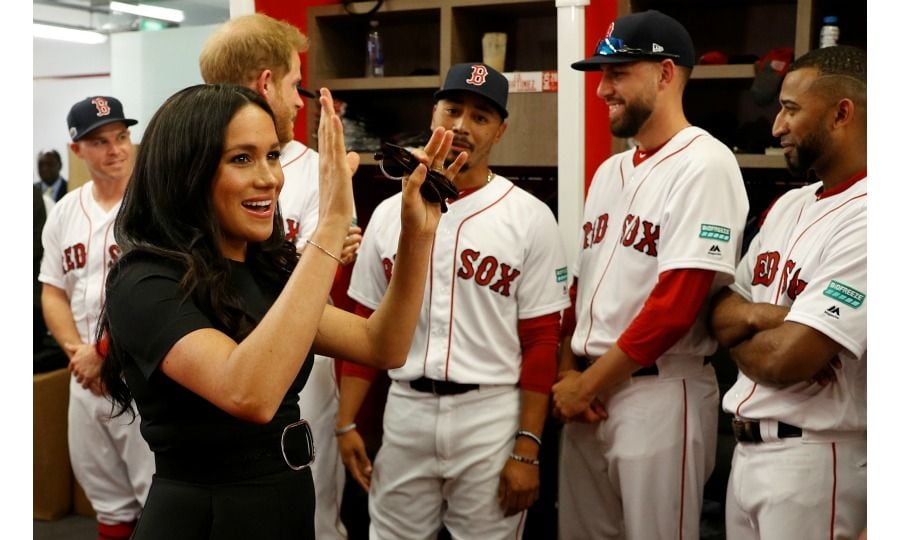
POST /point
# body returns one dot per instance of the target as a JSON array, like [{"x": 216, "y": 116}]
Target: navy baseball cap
[
  {"x": 644, "y": 36},
  {"x": 93, "y": 112},
  {"x": 480, "y": 79}
]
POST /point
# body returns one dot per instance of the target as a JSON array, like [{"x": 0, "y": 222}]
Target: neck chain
[{"x": 491, "y": 176}]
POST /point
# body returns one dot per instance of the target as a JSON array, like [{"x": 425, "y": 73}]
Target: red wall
[
  {"x": 597, "y": 139},
  {"x": 598, "y": 15},
  {"x": 294, "y": 13}
]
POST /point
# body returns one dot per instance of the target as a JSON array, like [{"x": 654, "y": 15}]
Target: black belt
[
  {"x": 293, "y": 448},
  {"x": 441, "y": 388},
  {"x": 748, "y": 431}
]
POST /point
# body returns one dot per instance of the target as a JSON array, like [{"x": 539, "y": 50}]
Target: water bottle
[
  {"x": 828, "y": 37},
  {"x": 374, "y": 53}
]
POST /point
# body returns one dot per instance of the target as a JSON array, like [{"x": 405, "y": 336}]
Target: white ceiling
[{"x": 96, "y": 15}]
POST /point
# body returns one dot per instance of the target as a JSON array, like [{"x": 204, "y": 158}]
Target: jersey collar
[{"x": 843, "y": 186}]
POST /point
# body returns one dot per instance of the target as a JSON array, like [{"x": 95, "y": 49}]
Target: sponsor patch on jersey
[
  {"x": 715, "y": 232},
  {"x": 844, "y": 294},
  {"x": 562, "y": 274}
]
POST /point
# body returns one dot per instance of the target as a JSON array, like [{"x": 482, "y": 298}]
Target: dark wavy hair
[{"x": 167, "y": 213}]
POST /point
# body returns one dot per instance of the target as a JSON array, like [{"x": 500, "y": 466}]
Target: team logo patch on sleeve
[
  {"x": 844, "y": 294},
  {"x": 715, "y": 232},
  {"x": 562, "y": 274}
]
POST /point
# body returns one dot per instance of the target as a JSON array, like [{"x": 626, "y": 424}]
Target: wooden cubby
[
  {"x": 421, "y": 40},
  {"x": 718, "y": 97}
]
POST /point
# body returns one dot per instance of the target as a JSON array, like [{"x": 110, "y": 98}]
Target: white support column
[
  {"x": 237, "y": 8},
  {"x": 570, "y": 122}
]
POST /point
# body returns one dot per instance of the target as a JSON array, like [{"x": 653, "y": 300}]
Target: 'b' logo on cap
[
  {"x": 479, "y": 75},
  {"x": 102, "y": 106}
]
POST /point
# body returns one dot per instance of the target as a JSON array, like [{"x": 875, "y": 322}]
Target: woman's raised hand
[
  {"x": 417, "y": 214},
  {"x": 336, "y": 167}
]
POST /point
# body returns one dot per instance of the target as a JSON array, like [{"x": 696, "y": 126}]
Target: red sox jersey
[
  {"x": 683, "y": 207},
  {"x": 79, "y": 249},
  {"x": 299, "y": 198},
  {"x": 810, "y": 256},
  {"x": 497, "y": 258}
]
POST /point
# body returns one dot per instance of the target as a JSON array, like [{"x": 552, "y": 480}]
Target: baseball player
[
  {"x": 110, "y": 459},
  {"x": 268, "y": 51},
  {"x": 795, "y": 321},
  {"x": 662, "y": 232},
  {"x": 464, "y": 416}
]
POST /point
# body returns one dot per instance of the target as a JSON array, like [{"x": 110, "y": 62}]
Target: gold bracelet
[{"x": 325, "y": 251}]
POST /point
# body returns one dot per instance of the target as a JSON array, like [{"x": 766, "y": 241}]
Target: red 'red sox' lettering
[
  {"x": 75, "y": 257},
  {"x": 293, "y": 230},
  {"x": 795, "y": 285},
  {"x": 766, "y": 268},
  {"x": 649, "y": 234},
  {"x": 388, "y": 266},
  {"x": 114, "y": 252},
  {"x": 594, "y": 232},
  {"x": 486, "y": 270}
]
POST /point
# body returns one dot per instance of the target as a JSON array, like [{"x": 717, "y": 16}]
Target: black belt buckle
[
  {"x": 748, "y": 431},
  {"x": 743, "y": 431},
  {"x": 296, "y": 439}
]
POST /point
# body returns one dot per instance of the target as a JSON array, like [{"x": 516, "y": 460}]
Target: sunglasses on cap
[
  {"x": 610, "y": 46},
  {"x": 397, "y": 162}
]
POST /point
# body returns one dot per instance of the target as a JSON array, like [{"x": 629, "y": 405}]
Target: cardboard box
[
  {"x": 52, "y": 471},
  {"x": 80, "y": 503}
]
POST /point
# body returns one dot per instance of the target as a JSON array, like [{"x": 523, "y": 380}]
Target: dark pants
[{"x": 275, "y": 507}]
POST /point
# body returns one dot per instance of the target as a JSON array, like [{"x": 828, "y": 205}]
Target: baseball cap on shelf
[
  {"x": 479, "y": 79},
  {"x": 93, "y": 112},
  {"x": 770, "y": 71},
  {"x": 643, "y": 36}
]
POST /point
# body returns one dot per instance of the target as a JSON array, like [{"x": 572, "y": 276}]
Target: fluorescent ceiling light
[
  {"x": 62, "y": 33},
  {"x": 153, "y": 12}
]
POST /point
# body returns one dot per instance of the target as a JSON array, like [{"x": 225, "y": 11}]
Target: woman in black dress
[{"x": 212, "y": 321}]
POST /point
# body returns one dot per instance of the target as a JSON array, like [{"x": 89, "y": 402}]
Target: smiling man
[
  {"x": 662, "y": 233},
  {"x": 464, "y": 416},
  {"x": 110, "y": 459},
  {"x": 795, "y": 321}
]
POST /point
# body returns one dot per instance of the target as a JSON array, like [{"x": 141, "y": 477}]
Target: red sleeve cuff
[
  {"x": 667, "y": 315},
  {"x": 539, "y": 338}
]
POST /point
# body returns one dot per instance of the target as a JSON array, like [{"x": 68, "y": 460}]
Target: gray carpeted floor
[{"x": 71, "y": 527}]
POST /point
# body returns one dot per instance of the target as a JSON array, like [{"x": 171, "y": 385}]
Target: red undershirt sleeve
[
  {"x": 351, "y": 369},
  {"x": 568, "y": 318},
  {"x": 667, "y": 315},
  {"x": 539, "y": 338}
]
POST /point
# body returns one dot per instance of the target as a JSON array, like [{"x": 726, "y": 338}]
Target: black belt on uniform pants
[
  {"x": 441, "y": 388},
  {"x": 748, "y": 431}
]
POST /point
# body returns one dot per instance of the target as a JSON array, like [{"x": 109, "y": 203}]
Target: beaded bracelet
[
  {"x": 530, "y": 435},
  {"x": 344, "y": 430},
  {"x": 522, "y": 459},
  {"x": 325, "y": 251}
]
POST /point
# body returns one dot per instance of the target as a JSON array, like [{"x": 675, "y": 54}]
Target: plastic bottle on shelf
[
  {"x": 830, "y": 33},
  {"x": 374, "y": 52}
]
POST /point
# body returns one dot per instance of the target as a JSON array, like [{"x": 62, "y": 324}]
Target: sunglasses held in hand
[{"x": 397, "y": 162}]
